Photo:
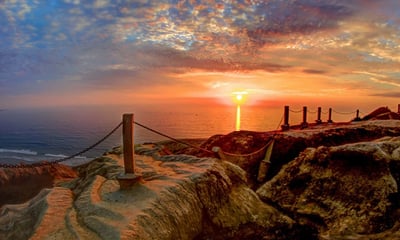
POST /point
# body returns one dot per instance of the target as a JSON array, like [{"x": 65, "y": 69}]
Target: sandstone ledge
[
  {"x": 336, "y": 181},
  {"x": 181, "y": 197}
]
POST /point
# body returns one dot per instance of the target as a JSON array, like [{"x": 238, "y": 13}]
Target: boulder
[
  {"x": 346, "y": 190},
  {"x": 382, "y": 113}
]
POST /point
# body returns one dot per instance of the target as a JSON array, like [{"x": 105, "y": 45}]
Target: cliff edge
[{"x": 337, "y": 181}]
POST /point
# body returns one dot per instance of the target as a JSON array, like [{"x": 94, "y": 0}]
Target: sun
[{"x": 239, "y": 97}]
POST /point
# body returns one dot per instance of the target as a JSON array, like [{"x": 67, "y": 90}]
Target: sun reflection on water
[{"x": 238, "y": 118}]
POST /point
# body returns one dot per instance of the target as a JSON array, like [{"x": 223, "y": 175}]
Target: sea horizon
[{"x": 37, "y": 134}]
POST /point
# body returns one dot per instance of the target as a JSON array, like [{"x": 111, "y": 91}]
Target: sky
[{"x": 75, "y": 52}]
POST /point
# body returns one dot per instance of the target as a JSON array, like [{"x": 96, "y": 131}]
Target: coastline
[{"x": 198, "y": 190}]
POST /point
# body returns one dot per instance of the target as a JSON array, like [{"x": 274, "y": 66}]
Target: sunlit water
[{"x": 47, "y": 134}]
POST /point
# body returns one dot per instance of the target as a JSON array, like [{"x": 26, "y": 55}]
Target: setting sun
[{"x": 239, "y": 97}]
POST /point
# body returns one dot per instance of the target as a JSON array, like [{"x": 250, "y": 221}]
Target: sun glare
[{"x": 239, "y": 97}]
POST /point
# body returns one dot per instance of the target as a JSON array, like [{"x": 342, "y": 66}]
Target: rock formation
[
  {"x": 330, "y": 181},
  {"x": 17, "y": 185},
  {"x": 342, "y": 190},
  {"x": 382, "y": 113},
  {"x": 181, "y": 197}
]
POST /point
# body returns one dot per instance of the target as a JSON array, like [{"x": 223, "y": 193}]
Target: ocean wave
[
  {"x": 19, "y": 151},
  {"x": 12, "y": 158},
  {"x": 63, "y": 156},
  {"x": 55, "y": 155}
]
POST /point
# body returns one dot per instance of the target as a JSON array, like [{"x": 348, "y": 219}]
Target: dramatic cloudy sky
[{"x": 62, "y": 52}]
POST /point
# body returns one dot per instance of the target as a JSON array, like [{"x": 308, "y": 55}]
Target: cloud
[
  {"x": 314, "y": 71},
  {"x": 387, "y": 94},
  {"x": 123, "y": 44}
]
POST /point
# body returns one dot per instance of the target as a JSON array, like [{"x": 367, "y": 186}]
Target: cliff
[
  {"x": 181, "y": 197},
  {"x": 337, "y": 181}
]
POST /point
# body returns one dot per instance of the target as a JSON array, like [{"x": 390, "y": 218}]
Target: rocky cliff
[{"x": 335, "y": 181}]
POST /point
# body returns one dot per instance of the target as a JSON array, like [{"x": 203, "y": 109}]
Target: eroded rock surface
[
  {"x": 180, "y": 197},
  {"x": 337, "y": 181},
  {"x": 343, "y": 191},
  {"x": 18, "y": 185}
]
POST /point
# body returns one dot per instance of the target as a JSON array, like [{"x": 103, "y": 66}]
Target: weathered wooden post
[
  {"x": 357, "y": 116},
  {"x": 330, "y": 116},
  {"x": 319, "y": 121},
  {"x": 129, "y": 177},
  {"x": 285, "y": 125},
  {"x": 304, "y": 124},
  {"x": 398, "y": 108}
]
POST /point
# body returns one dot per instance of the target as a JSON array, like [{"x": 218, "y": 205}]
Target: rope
[
  {"x": 312, "y": 112},
  {"x": 343, "y": 113},
  {"x": 44, "y": 163},
  {"x": 222, "y": 154},
  {"x": 279, "y": 124},
  {"x": 296, "y": 111},
  {"x": 92, "y": 146},
  {"x": 172, "y": 138}
]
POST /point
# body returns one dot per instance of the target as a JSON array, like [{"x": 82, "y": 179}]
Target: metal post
[
  {"x": 330, "y": 116},
  {"x": 285, "y": 125},
  {"x": 304, "y": 124},
  {"x": 319, "y": 121},
  {"x": 129, "y": 177}
]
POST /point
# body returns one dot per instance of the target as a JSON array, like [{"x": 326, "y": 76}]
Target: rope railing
[
  {"x": 255, "y": 154},
  {"x": 284, "y": 127},
  {"x": 312, "y": 112},
  {"x": 172, "y": 138},
  {"x": 319, "y": 112},
  {"x": 344, "y": 113},
  {"x": 296, "y": 111},
  {"x": 45, "y": 163}
]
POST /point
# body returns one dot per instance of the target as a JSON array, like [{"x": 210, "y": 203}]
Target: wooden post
[
  {"x": 357, "y": 116},
  {"x": 398, "y": 108},
  {"x": 319, "y": 121},
  {"x": 330, "y": 116},
  {"x": 127, "y": 135},
  {"x": 129, "y": 177},
  {"x": 304, "y": 124},
  {"x": 285, "y": 125}
]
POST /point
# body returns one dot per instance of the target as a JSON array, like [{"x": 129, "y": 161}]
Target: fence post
[
  {"x": 357, "y": 116},
  {"x": 330, "y": 116},
  {"x": 319, "y": 121},
  {"x": 304, "y": 124},
  {"x": 127, "y": 136},
  {"x": 129, "y": 177},
  {"x": 285, "y": 125}
]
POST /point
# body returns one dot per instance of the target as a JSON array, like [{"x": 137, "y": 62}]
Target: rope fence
[
  {"x": 344, "y": 113},
  {"x": 284, "y": 127},
  {"x": 173, "y": 139},
  {"x": 319, "y": 112},
  {"x": 45, "y": 163}
]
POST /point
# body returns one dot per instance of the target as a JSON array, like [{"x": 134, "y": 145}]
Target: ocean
[{"x": 28, "y": 135}]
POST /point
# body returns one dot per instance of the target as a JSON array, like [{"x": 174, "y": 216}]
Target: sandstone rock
[
  {"x": 181, "y": 197},
  {"x": 288, "y": 145},
  {"x": 343, "y": 190},
  {"x": 382, "y": 113},
  {"x": 18, "y": 185}
]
